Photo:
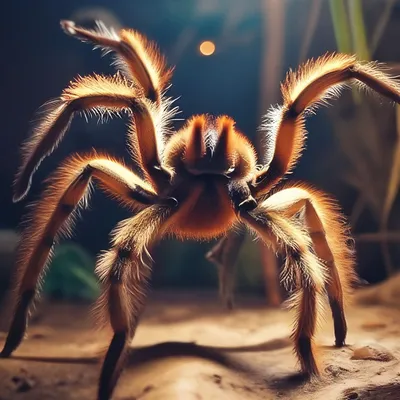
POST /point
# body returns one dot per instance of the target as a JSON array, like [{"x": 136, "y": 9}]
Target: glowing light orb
[{"x": 207, "y": 48}]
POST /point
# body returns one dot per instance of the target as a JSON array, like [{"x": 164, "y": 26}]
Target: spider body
[
  {"x": 206, "y": 163},
  {"x": 200, "y": 182}
]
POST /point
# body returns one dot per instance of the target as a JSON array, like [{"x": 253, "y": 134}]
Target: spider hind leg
[
  {"x": 330, "y": 236},
  {"x": 302, "y": 269},
  {"x": 305, "y": 303}
]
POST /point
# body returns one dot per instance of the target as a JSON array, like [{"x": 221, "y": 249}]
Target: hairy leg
[
  {"x": 125, "y": 274},
  {"x": 96, "y": 94},
  {"x": 142, "y": 63},
  {"x": 224, "y": 255},
  {"x": 330, "y": 236},
  {"x": 67, "y": 191},
  {"x": 137, "y": 56},
  {"x": 302, "y": 269},
  {"x": 312, "y": 85}
]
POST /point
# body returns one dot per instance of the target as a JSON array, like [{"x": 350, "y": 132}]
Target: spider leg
[
  {"x": 91, "y": 93},
  {"x": 66, "y": 192},
  {"x": 142, "y": 63},
  {"x": 330, "y": 236},
  {"x": 125, "y": 275},
  {"x": 137, "y": 56},
  {"x": 302, "y": 268},
  {"x": 224, "y": 255},
  {"x": 313, "y": 84}
]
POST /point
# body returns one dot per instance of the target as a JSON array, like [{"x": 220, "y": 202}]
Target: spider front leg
[
  {"x": 304, "y": 270},
  {"x": 330, "y": 236},
  {"x": 303, "y": 91},
  {"x": 137, "y": 56},
  {"x": 67, "y": 190},
  {"x": 125, "y": 275},
  {"x": 144, "y": 67}
]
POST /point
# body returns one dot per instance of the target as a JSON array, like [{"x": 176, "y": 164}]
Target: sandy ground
[{"x": 188, "y": 347}]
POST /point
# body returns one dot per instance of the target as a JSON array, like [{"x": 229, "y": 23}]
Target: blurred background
[{"x": 353, "y": 148}]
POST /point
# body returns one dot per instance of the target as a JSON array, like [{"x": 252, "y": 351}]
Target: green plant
[
  {"x": 71, "y": 274},
  {"x": 372, "y": 157}
]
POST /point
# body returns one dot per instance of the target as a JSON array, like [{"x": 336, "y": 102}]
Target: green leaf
[
  {"x": 86, "y": 278},
  {"x": 71, "y": 273}
]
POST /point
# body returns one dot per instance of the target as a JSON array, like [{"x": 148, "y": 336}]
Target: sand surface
[{"x": 188, "y": 347}]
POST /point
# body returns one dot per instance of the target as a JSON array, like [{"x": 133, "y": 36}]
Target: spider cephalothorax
[{"x": 200, "y": 182}]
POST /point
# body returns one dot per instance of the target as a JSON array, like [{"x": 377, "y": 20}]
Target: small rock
[
  {"x": 335, "y": 371},
  {"x": 148, "y": 388},
  {"x": 217, "y": 379},
  {"x": 372, "y": 352},
  {"x": 26, "y": 385},
  {"x": 381, "y": 371},
  {"x": 352, "y": 396},
  {"x": 23, "y": 384}
]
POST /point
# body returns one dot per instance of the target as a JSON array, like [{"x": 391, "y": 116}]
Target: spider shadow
[{"x": 231, "y": 358}]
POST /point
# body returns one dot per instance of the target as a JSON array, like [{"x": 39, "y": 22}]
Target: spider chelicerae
[{"x": 201, "y": 182}]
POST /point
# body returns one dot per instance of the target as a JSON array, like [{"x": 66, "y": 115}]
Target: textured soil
[{"x": 188, "y": 347}]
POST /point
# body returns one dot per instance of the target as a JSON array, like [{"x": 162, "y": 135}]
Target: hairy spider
[{"x": 201, "y": 182}]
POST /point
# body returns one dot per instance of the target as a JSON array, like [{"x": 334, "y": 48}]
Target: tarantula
[{"x": 201, "y": 182}]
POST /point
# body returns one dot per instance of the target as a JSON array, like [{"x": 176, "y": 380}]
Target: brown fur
[
  {"x": 313, "y": 84},
  {"x": 151, "y": 223},
  {"x": 88, "y": 94},
  {"x": 330, "y": 235},
  {"x": 335, "y": 227},
  {"x": 49, "y": 218},
  {"x": 192, "y": 148},
  {"x": 146, "y": 63},
  {"x": 302, "y": 271},
  {"x": 139, "y": 56},
  {"x": 206, "y": 212},
  {"x": 195, "y": 147}
]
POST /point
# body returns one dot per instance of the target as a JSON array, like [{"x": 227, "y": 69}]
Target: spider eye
[{"x": 259, "y": 178}]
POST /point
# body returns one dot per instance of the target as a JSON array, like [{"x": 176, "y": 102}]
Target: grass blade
[
  {"x": 381, "y": 25},
  {"x": 341, "y": 26},
  {"x": 358, "y": 30},
  {"x": 394, "y": 177}
]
